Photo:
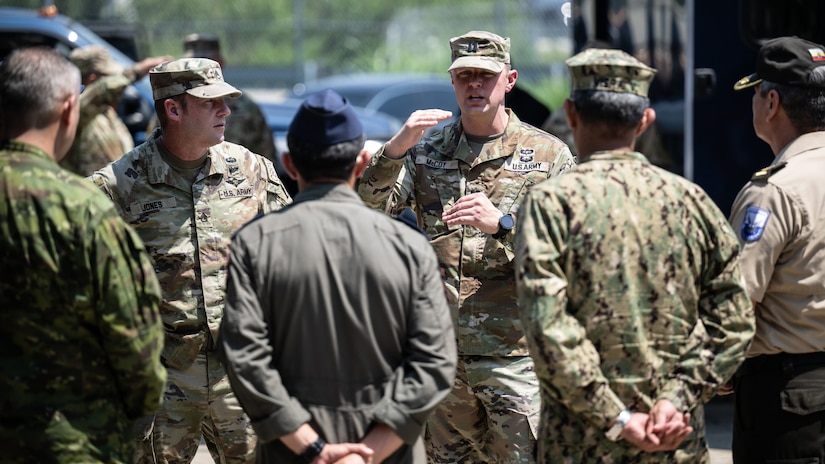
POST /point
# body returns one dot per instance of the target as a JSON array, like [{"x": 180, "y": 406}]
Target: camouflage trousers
[
  {"x": 198, "y": 402},
  {"x": 490, "y": 416}
]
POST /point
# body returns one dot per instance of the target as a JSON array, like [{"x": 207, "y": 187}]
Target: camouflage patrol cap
[
  {"x": 785, "y": 60},
  {"x": 609, "y": 71},
  {"x": 201, "y": 45},
  {"x": 94, "y": 59},
  {"x": 480, "y": 49},
  {"x": 199, "y": 77}
]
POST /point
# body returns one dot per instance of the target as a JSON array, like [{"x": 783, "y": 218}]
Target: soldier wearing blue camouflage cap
[
  {"x": 81, "y": 337},
  {"x": 465, "y": 184},
  {"x": 778, "y": 216},
  {"x": 186, "y": 191},
  {"x": 629, "y": 285}
]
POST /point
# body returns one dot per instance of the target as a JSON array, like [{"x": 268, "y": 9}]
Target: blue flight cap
[{"x": 326, "y": 118}]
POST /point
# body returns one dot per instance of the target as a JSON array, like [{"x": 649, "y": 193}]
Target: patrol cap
[
  {"x": 201, "y": 45},
  {"x": 326, "y": 118},
  {"x": 785, "y": 60},
  {"x": 199, "y": 77},
  {"x": 94, "y": 59},
  {"x": 610, "y": 71},
  {"x": 480, "y": 49}
]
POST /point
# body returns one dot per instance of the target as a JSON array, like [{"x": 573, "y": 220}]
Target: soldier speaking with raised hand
[{"x": 465, "y": 184}]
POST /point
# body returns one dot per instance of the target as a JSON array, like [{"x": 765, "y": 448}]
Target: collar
[
  {"x": 805, "y": 142},
  {"x": 615, "y": 155},
  {"x": 453, "y": 143},
  {"x": 20, "y": 147},
  {"x": 159, "y": 172},
  {"x": 328, "y": 192}
]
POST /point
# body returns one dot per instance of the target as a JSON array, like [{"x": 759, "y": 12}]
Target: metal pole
[
  {"x": 690, "y": 72},
  {"x": 298, "y": 39}
]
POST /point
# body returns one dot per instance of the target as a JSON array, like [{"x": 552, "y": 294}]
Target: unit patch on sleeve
[{"x": 754, "y": 224}]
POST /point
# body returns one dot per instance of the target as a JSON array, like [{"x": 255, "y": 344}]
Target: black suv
[{"x": 20, "y": 27}]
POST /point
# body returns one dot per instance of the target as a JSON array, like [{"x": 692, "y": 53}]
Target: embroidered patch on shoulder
[{"x": 754, "y": 224}]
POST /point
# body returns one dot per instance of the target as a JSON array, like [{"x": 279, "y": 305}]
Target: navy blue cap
[{"x": 326, "y": 118}]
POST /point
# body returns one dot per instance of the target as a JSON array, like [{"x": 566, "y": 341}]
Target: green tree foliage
[{"x": 299, "y": 39}]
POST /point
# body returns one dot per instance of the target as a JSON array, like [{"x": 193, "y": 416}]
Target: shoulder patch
[
  {"x": 753, "y": 226},
  {"x": 763, "y": 174}
]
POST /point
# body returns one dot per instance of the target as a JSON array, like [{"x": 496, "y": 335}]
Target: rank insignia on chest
[
  {"x": 235, "y": 181},
  {"x": 754, "y": 224}
]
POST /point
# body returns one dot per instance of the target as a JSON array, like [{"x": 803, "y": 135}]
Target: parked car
[
  {"x": 378, "y": 128},
  {"x": 397, "y": 94},
  {"x": 20, "y": 27}
]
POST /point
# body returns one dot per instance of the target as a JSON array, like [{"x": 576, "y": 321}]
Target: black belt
[{"x": 786, "y": 363}]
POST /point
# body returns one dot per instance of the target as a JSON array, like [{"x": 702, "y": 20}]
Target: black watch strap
[
  {"x": 505, "y": 225},
  {"x": 313, "y": 451}
]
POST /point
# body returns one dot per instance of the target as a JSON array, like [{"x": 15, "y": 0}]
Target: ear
[
  {"x": 570, "y": 112},
  {"x": 67, "y": 110},
  {"x": 362, "y": 162},
  {"x": 647, "y": 119},
  {"x": 172, "y": 109},
  {"x": 512, "y": 77},
  {"x": 774, "y": 105},
  {"x": 286, "y": 160}
]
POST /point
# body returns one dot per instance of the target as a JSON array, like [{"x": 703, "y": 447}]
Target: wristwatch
[
  {"x": 312, "y": 451},
  {"x": 614, "y": 432},
  {"x": 505, "y": 225}
]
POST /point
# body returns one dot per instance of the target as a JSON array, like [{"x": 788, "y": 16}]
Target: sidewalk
[{"x": 718, "y": 416}]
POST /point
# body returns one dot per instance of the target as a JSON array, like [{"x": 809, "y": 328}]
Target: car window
[
  {"x": 10, "y": 41},
  {"x": 402, "y": 105}
]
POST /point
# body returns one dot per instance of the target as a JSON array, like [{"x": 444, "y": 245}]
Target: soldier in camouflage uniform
[
  {"x": 186, "y": 191},
  {"x": 81, "y": 341},
  {"x": 247, "y": 126},
  {"x": 629, "y": 283},
  {"x": 101, "y": 136},
  {"x": 465, "y": 184}
]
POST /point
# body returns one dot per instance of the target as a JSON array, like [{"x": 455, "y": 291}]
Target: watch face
[{"x": 507, "y": 222}]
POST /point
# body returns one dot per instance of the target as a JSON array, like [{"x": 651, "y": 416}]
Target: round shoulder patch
[{"x": 753, "y": 226}]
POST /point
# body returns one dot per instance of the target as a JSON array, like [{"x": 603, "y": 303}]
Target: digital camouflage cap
[
  {"x": 480, "y": 49},
  {"x": 199, "y": 77},
  {"x": 609, "y": 71}
]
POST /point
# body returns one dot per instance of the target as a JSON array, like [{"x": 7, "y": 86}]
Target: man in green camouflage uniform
[
  {"x": 186, "y": 191},
  {"x": 247, "y": 126},
  {"x": 101, "y": 136},
  {"x": 81, "y": 339},
  {"x": 629, "y": 284},
  {"x": 465, "y": 183}
]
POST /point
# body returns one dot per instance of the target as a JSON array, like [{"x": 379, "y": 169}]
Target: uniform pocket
[{"x": 804, "y": 394}]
